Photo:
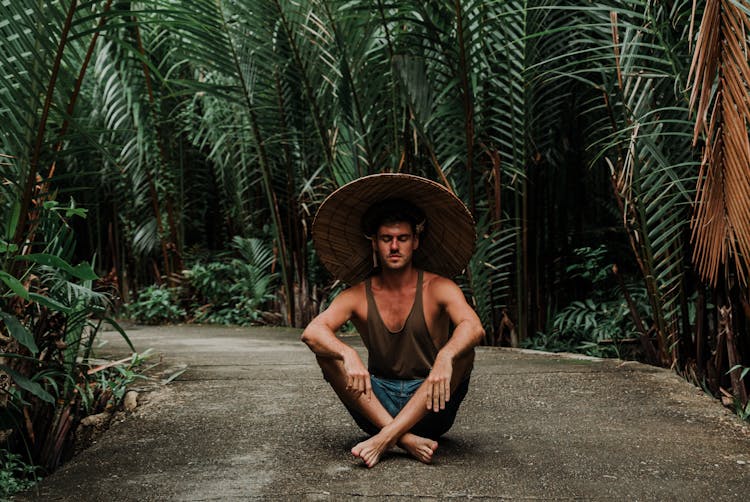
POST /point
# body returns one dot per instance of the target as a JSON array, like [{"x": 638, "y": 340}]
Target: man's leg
[
  {"x": 371, "y": 449},
  {"x": 434, "y": 425},
  {"x": 419, "y": 447}
]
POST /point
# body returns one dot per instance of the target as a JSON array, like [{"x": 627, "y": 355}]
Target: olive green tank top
[{"x": 406, "y": 354}]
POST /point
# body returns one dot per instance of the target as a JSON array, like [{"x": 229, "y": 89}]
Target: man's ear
[{"x": 416, "y": 241}]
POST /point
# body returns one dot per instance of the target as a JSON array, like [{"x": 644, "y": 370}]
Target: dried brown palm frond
[{"x": 720, "y": 75}]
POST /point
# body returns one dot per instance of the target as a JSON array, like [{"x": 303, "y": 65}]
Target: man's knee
[
  {"x": 435, "y": 424},
  {"x": 462, "y": 371}
]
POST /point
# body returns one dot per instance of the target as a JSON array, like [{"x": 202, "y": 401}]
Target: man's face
[{"x": 395, "y": 244}]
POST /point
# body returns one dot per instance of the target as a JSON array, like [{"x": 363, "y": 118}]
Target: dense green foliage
[
  {"x": 156, "y": 305},
  {"x": 222, "y": 288},
  {"x": 15, "y": 474},
  {"x": 233, "y": 290}
]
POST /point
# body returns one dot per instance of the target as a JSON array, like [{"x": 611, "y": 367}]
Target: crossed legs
[{"x": 393, "y": 430}]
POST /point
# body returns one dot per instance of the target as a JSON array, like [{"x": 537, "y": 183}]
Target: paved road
[{"x": 251, "y": 419}]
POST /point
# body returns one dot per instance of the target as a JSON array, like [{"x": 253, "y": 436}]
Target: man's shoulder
[
  {"x": 440, "y": 289},
  {"x": 354, "y": 291},
  {"x": 348, "y": 302},
  {"x": 432, "y": 279}
]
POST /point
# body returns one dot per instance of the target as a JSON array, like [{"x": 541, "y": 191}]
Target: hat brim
[{"x": 347, "y": 253}]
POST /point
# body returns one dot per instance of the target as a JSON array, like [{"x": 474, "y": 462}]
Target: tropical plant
[
  {"x": 600, "y": 320},
  {"x": 234, "y": 291},
  {"x": 50, "y": 319},
  {"x": 15, "y": 474},
  {"x": 635, "y": 57},
  {"x": 156, "y": 305},
  {"x": 720, "y": 85},
  {"x": 109, "y": 382},
  {"x": 50, "y": 313}
]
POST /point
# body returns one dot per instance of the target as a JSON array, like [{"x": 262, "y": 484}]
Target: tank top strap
[
  {"x": 375, "y": 324},
  {"x": 371, "y": 306},
  {"x": 418, "y": 297},
  {"x": 416, "y": 322}
]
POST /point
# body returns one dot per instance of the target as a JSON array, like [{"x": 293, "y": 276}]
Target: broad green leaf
[
  {"x": 49, "y": 302},
  {"x": 76, "y": 211},
  {"x": 6, "y": 247},
  {"x": 19, "y": 332},
  {"x": 28, "y": 385},
  {"x": 81, "y": 271},
  {"x": 14, "y": 284},
  {"x": 745, "y": 370},
  {"x": 13, "y": 220}
]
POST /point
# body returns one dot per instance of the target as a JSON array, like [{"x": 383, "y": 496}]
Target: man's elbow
[
  {"x": 308, "y": 337},
  {"x": 478, "y": 333},
  {"x": 473, "y": 331}
]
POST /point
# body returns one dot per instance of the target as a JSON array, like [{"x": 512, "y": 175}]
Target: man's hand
[
  {"x": 439, "y": 384},
  {"x": 357, "y": 376}
]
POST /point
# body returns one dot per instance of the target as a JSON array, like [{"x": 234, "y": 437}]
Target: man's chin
[{"x": 394, "y": 265}]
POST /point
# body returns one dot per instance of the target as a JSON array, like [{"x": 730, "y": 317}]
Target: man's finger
[
  {"x": 368, "y": 388},
  {"x": 447, "y": 391},
  {"x": 429, "y": 398},
  {"x": 436, "y": 398}
]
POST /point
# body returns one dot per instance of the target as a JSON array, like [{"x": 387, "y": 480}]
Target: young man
[{"x": 418, "y": 371}]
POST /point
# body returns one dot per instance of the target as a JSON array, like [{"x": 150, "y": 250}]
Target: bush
[
  {"x": 50, "y": 318},
  {"x": 106, "y": 386},
  {"x": 597, "y": 324},
  {"x": 234, "y": 290},
  {"x": 229, "y": 289},
  {"x": 15, "y": 474},
  {"x": 155, "y": 305}
]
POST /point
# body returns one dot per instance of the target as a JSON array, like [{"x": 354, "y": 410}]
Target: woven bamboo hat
[{"x": 345, "y": 250}]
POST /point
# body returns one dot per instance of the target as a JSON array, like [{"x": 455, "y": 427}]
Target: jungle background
[{"x": 162, "y": 161}]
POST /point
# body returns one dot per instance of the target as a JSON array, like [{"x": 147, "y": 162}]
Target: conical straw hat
[{"x": 346, "y": 251}]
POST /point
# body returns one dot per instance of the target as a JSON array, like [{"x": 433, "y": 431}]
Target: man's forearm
[
  {"x": 466, "y": 336},
  {"x": 324, "y": 343}
]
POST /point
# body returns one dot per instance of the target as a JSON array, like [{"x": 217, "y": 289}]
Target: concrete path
[{"x": 252, "y": 419}]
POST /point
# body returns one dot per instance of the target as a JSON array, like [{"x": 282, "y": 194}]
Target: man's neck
[{"x": 398, "y": 279}]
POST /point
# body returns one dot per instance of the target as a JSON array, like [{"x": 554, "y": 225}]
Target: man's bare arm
[
  {"x": 320, "y": 336},
  {"x": 467, "y": 335}
]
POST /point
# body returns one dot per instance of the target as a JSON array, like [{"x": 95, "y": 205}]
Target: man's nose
[{"x": 394, "y": 244}]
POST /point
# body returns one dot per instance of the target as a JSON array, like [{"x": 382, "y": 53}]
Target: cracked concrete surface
[{"x": 252, "y": 419}]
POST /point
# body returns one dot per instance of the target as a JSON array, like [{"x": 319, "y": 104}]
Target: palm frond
[
  {"x": 721, "y": 82},
  {"x": 490, "y": 271}
]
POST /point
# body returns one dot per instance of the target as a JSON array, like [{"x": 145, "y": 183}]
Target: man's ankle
[{"x": 390, "y": 434}]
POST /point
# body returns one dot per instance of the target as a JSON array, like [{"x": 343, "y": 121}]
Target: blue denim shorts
[{"x": 394, "y": 394}]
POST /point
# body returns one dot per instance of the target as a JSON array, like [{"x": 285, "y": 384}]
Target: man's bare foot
[
  {"x": 371, "y": 450},
  {"x": 419, "y": 447}
]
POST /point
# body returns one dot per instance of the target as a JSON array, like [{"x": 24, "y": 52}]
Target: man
[{"x": 417, "y": 372}]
